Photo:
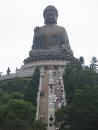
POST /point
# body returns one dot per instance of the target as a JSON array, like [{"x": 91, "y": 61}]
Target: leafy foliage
[
  {"x": 14, "y": 85},
  {"x": 16, "y": 114},
  {"x": 18, "y": 102},
  {"x": 39, "y": 125},
  {"x": 94, "y": 65},
  {"x": 31, "y": 92},
  {"x": 77, "y": 76},
  {"x": 82, "y": 112},
  {"x": 81, "y": 86}
]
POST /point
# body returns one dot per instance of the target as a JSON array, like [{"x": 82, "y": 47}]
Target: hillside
[
  {"x": 81, "y": 88},
  {"x": 18, "y": 102}
]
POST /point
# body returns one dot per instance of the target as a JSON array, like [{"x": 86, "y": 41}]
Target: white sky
[{"x": 19, "y": 17}]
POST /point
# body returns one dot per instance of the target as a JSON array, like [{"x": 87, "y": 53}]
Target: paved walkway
[
  {"x": 43, "y": 103},
  {"x": 51, "y": 128},
  {"x": 51, "y": 96}
]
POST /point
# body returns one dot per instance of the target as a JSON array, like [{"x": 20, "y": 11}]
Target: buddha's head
[{"x": 50, "y": 15}]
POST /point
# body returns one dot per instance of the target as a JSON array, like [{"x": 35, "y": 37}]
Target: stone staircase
[
  {"x": 50, "y": 98},
  {"x": 43, "y": 103}
]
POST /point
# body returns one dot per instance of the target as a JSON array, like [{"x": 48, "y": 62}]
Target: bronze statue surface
[{"x": 50, "y": 41}]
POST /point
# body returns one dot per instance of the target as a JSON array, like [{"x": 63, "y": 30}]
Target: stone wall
[
  {"x": 19, "y": 73},
  {"x": 28, "y": 69}
]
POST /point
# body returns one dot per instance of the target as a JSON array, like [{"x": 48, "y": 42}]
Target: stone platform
[
  {"x": 27, "y": 70},
  {"x": 44, "y": 63}
]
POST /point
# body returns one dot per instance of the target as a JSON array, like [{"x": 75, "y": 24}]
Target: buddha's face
[{"x": 50, "y": 17}]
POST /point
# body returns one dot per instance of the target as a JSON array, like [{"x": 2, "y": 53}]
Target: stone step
[{"x": 51, "y": 128}]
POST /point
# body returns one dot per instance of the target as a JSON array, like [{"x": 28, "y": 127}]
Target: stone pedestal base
[{"x": 27, "y": 70}]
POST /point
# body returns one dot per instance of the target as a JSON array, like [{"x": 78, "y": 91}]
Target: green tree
[
  {"x": 72, "y": 78},
  {"x": 16, "y": 115},
  {"x": 60, "y": 116},
  {"x": 81, "y": 59},
  {"x": 14, "y": 85},
  {"x": 16, "y": 95},
  {"x": 82, "y": 113},
  {"x": 76, "y": 77},
  {"x": 39, "y": 125},
  {"x": 32, "y": 90},
  {"x": 17, "y": 102},
  {"x": 4, "y": 97},
  {"x": 81, "y": 90},
  {"x": 94, "y": 64}
]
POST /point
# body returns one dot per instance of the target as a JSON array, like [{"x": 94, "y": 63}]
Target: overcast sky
[{"x": 19, "y": 17}]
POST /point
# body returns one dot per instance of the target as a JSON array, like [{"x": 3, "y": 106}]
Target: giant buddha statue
[{"x": 50, "y": 41}]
